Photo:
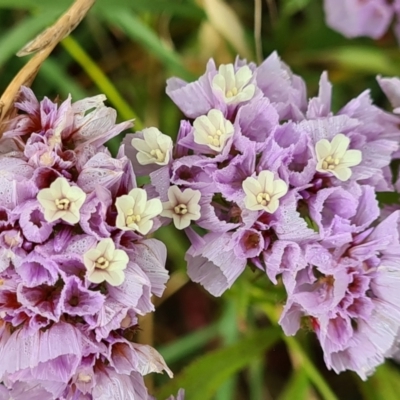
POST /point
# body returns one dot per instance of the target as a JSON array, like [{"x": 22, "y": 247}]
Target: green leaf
[
  {"x": 388, "y": 197},
  {"x": 293, "y": 6},
  {"x": 188, "y": 344},
  {"x": 203, "y": 377},
  {"x": 34, "y": 5},
  {"x": 61, "y": 80},
  {"x": 15, "y": 38},
  {"x": 297, "y": 388},
  {"x": 135, "y": 29},
  {"x": 361, "y": 59},
  {"x": 183, "y": 8},
  {"x": 383, "y": 385}
]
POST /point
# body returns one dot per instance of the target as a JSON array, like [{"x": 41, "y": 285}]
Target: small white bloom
[
  {"x": 62, "y": 201},
  {"x": 264, "y": 192},
  {"x": 85, "y": 378},
  {"x": 105, "y": 263},
  {"x": 234, "y": 87},
  {"x": 135, "y": 213},
  {"x": 333, "y": 157},
  {"x": 182, "y": 207},
  {"x": 154, "y": 148},
  {"x": 212, "y": 130}
]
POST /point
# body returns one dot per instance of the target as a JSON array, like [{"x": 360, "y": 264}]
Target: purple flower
[
  {"x": 78, "y": 300},
  {"x": 63, "y": 322},
  {"x": 355, "y": 18},
  {"x": 36, "y": 270},
  {"x": 33, "y": 223},
  {"x": 285, "y": 90},
  {"x": 349, "y": 298},
  {"x": 213, "y": 263}
]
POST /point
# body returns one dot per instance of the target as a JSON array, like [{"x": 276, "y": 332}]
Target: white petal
[
  {"x": 124, "y": 204},
  {"x": 76, "y": 195},
  {"x": 167, "y": 212},
  {"x": 266, "y": 179},
  {"x": 323, "y": 149},
  {"x": 272, "y": 205},
  {"x": 216, "y": 118},
  {"x": 250, "y": 201},
  {"x": 351, "y": 158},
  {"x": 243, "y": 77},
  {"x": 251, "y": 186},
  {"x": 153, "y": 208},
  {"x": 62, "y": 185},
  {"x": 145, "y": 159},
  {"x": 144, "y": 226},
  {"x": 139, "y": 197},
  {"x": 219, "y": 84},
  {"x": 164, "y": 143},
  {"x": 106, "y": 248},
  {"x": 181, "y": 221},
  {"x": 246, "y": 94},
  {"x": 339, "y": 145},
  {"x": 150, "y": 136},
  {"x": 115, "y": 278},
  {"x": 191, "y": 197},
  {"x": 140, "y": 145},
  {"x": 342, "y": 173},
  {"x": 280, "y": 188},
  {"x": 70, "y": 217},
  {"x": 228, "y": 73},
  {"x": 97, "y": 276},
  {"x": 120, "y": 257},
  {"x": 51, "y": 215},
  {"x": 74, "y": 210}
]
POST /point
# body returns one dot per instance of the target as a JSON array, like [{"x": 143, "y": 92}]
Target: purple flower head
[
  {"x": 286, "y": 91},
  {"x": 78, "y": 300},
  {"x": 355, "y": 18},
  {"x": 348, "y": 299},
  {"x": 224, "y": 88},
  {"x": 213, "y": 263},
  {"x": 73, "y": 274},
  {"x": 36, "y": 270}
]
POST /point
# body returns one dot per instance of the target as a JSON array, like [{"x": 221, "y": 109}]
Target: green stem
[
  {"x": 101, "y": 80},
  {"x": 181, "y": 348},
  {"x": 295, "y": 349}
]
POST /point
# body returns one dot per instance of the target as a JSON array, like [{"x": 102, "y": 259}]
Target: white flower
[
  {"x": 135, "y": 213},
  {"x": 234, "y": 87},
  {"x": 154, "y": 148},
  {"x": 105, "y": 263},
  {"x": 182, "y": 207},
  {"x": 264, "y": 192},
  {"x": 62, "y": 201},
  {"x": 212, "y": 130},
  {"x": 333, "y": 157}
]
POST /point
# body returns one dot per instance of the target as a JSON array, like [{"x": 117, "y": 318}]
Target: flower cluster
[
  {"x": 76, "y": 270},
  {"x": 261, "y": 177},
  {"x": 355, "y": 18}
]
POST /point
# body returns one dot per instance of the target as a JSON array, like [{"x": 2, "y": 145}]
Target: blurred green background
[{"x": 227, "y": 348}]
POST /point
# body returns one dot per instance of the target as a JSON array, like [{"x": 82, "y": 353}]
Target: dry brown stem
[{"x": 43, "y": 45}]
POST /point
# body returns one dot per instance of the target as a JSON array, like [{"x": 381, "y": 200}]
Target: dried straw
[{"x": 42, "y": 45}]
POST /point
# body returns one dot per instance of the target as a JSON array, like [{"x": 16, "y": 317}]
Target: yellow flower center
[
  {"x": 181, "y": 209},
  {"x": 131, "y": 218},
  {"x": 102, "y": 263},
  {"x": 330, "y": 163},
  {"x": 158, "y": 155},
  {"x": 62, "y": 204},
  {"x": 85, "y": 378},
  {"x": 232, "y": 92},
  {"x": 215, "y": 138},
  {"x": 263, "y": 198}
]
